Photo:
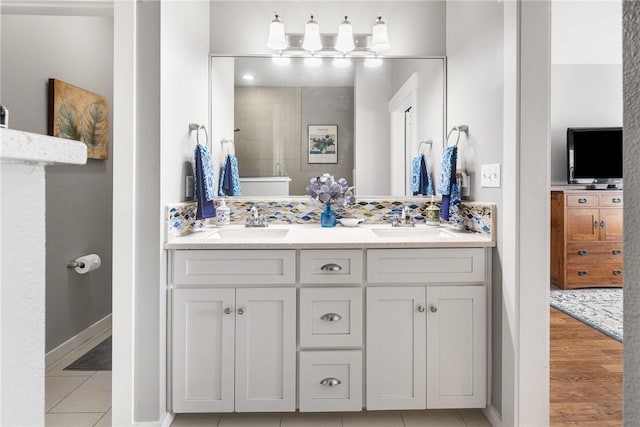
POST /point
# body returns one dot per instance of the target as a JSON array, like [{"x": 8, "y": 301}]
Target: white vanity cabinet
[
  {"x": 233, "y": 347},
  {"x": 426, "y": 328}
]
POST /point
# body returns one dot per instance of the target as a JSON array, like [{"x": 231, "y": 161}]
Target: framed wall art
[
  {"x": 76, "y": 113},
  {"x": 323, "y": 143}
]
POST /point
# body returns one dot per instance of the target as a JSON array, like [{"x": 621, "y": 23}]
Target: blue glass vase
[{"x": 328, "y": 217}]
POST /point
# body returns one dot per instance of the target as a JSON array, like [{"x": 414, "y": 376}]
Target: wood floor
[{"x": 586, "y": 375}]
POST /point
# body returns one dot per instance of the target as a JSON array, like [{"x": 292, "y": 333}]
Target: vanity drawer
[
  {"x": 330, "y": 381},
  {"x": 233, "y": 267},
  {"x": 425, "y": 265},
  {"x": 331, "y": 266},
  {"x": 594, "y": 253},
  {"x": 330, "y": 317}
]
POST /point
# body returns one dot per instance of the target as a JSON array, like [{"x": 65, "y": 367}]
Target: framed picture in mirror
[{"x": 323, "y": 143}]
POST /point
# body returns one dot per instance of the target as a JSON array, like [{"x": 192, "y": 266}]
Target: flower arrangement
[{"x": 325, "y": 189}]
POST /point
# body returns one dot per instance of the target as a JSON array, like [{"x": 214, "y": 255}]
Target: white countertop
[
  {"x": 313, "y": 236},
  {"x": 17, "y": 146}
]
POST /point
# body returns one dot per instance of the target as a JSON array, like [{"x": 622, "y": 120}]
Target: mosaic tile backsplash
[{"x": 475, "y": 217}]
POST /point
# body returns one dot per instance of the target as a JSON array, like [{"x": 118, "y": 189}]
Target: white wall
[
  {"x": 586, "y": 72},
  {"x": 78, "y": 50}
]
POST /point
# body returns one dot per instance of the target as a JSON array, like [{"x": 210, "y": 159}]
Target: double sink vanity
[{"x": 299, "y": 317}]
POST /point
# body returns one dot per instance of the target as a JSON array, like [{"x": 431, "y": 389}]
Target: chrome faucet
[
  {"x": 405, "y": 219},
  {"x": 256, "y": 219}
]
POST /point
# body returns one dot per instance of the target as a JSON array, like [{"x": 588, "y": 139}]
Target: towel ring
[
  {"x": 458, "y": 129},
  {"x": 231, "y": 143},
  {"x": 197, "y": 127},
  {"x": 423, "y": 143}
]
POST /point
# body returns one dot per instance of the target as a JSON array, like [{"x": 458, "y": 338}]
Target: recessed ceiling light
[{"x": 248, "y": 77}]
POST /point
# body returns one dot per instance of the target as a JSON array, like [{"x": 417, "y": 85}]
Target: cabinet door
[
  {"x": 611, "y": 225},
  {"x": 456, "y": 347},
  {"x": 396, "y": 348},
  {"x": 583, "y": 224},
  {"x": 202, "y": 342},
  {"x": 265, "y": 350}
]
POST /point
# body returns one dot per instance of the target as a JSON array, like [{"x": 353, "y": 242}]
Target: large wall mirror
[{"x": 288, "y": 122}]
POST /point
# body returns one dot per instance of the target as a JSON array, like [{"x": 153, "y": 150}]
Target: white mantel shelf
[{"x": 19, "y": 146}]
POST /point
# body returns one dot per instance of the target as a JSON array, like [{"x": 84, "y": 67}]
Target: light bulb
[
  {"x": 276, "y": 35},
  {"x": 344, "y": 42},
  {"x": 311, "y": 40}
]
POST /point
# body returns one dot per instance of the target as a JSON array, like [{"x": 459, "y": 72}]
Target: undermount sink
[
  {"x": 410, "y": 232},
  {"x": 253, "y": 233}
]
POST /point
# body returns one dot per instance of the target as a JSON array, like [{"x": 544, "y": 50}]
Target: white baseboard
[
  {"x": 66, "y": 347},
  {"x": 493, "y": 416},
  {"x": 168, "y": 419}
]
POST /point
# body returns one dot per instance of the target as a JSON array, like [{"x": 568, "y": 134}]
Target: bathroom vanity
[{"x": 297, "y": 317}]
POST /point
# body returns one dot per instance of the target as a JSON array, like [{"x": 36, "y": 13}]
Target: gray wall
[
  {"x": 475, "y": 97},
  {"x": 78, "y": 50},
  {"x": 631, "y": 213}
]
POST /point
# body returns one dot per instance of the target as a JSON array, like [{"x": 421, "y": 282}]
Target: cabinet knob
[
  {"x": 330, "y": 382},
  {"x": 583, "y": 273},
  {"x": 227, "y": 310},
  {"x": 241, "y": 311},
  {"x": 616, "y": 251},
  {"x": 331, "y": 317},
  {"x": 331, "y": 267},
  {"x": 582, "y": 200},
  {"x": 616, "y": 200},
  {"x": 583, "y": 252},
  {"x": 616, "y": 272},
  {"x": 433, "y": 309},
  {"x": 420, "y": 308}
]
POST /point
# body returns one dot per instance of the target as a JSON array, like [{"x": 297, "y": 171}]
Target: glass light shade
[
  {"x": 341, "y": 62},
  {"x": 372, "y": 62},
  {"x": 276, "y": 35},
  {"x": 344, "y": 43},
  {"x": 311, "y": 40},
  {"x": 379, "y": 36},
  {"x": 312, "y": 61}
]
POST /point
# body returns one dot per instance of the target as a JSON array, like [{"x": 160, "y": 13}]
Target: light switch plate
[{"x": 490, "y": 175}]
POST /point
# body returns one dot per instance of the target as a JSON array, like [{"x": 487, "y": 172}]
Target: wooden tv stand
[{"x": 586, "y": 238}]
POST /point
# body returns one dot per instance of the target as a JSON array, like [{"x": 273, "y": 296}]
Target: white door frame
[{"x": 406, "y": 98}]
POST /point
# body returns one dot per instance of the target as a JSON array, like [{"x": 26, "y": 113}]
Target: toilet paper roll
[{"x": 87, "y": 263}]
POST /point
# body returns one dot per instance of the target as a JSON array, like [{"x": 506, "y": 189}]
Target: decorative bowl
[{"x": 351, "y": 222}]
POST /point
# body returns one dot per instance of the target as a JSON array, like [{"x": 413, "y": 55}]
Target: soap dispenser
[
  {"x": 432, "y": 214},
  {"x": 222, "y": 214}
]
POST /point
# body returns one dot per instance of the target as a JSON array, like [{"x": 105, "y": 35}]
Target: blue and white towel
[
  {"x": 448, "y": 185},
  {"x": 421, "y": 182},
  {"x": 204, "y": 186},
  {"x": 230, "y": 178}
]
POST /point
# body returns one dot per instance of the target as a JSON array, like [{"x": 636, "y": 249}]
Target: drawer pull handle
[
  {"x": 331, "y": 317},
  {"x": 420, "y": 308},
  {"x": 583, "y": 252},
  {"x": 617, "y": 272},
  {"x": 616, "y": 200},
  {"x": 582, "y": 200},
  {"x": 596, "y": 224},
  {"x": 241, "y": 311},
  {"x": 583, "y": 273},
  {"x": 603, "y": 224},
  {"x": 331, "y": 267},
  {"x": 330, "y": 382},
  {"x": 227, "y": 310},
  {"x": 616, "y": 251},
  {"x": 433, "y": 309}
]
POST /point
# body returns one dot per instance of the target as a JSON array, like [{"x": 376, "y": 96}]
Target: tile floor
[
  {"x": 433, "y": 418},
  {"x": 78, "y": 398},
  {"x": 83, "y": 399}
]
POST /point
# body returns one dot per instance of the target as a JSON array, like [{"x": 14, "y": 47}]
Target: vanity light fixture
[
  {"x": 276, "y": 40},
  {"x": 345, "y": 43},
  {"x": 380, "y": 37},
  {"x": 311, "y": 40}
]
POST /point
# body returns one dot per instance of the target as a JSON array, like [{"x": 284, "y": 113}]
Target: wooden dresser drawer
[
  {"x": 586, "y": 275},
  {"x": 583, "y": 200},
  {"x": 331, "y": 266},
  {"x": 233, "y": 267},
  {"x": 595, "y": 253},
  {"x": 425, "y": 265},
  {"x": 330, "y": 317},
  {"x": 330, "y": 381},
  {"x": 611, "y": 201}
]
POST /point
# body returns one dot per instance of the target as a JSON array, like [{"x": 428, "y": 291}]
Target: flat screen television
[{"x": 594, "y": 156}]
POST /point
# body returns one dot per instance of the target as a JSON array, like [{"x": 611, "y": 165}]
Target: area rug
[
  {"x": 599, "y": 308},
  {"x": 96, "y": 359}
]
